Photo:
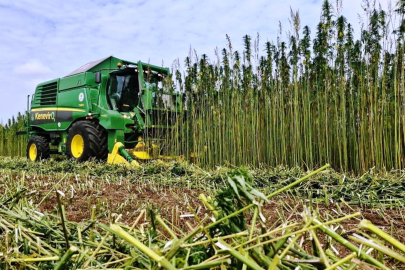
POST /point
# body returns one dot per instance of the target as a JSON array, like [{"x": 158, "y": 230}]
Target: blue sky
[{"x": 42, "y": 40}]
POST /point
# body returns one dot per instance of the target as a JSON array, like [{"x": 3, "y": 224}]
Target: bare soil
[{"x": 129, "y": 199}]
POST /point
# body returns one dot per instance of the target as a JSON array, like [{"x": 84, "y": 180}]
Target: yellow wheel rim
[
  {"x": 33, "y": 152},
  {"x": 77, "y": 146}
]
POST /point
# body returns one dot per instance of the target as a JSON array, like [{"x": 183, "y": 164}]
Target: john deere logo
[{"x": 45, "y": 116}]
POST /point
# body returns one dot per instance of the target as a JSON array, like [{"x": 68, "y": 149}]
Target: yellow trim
[
  {"x": 115, "y": 158},
  {"x": 56, "y": 109},
  {"x": 33, "y": 152},
  {"x": 141, "y": 155},
  {"x": 77, "y": 146}
]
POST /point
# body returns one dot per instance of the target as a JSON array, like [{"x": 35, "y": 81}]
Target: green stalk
[
  {"x": 269, "y": 196},
  {"x": 150, "y": 253},
  {"x": 342, "y": 261},
  {"x": 42, "y": 259},
  {"x": 320, "y": 249},
  {"x": 261, "y": 258},
  {"x": 227, "y": 248},
  {"x": 252, "y": 229},
  {"x": 277, "y": 246},
  {"x": 49, "y": 192},
  {"x": 376, "y": 246},
  {"x": 96, "y": 251},
  {"x": 318, "y": 225},
  {"x": 366, "y": 224},
  {"x": 208, "y": 205},
  {"x": 208, "y": 265},
  {"x": 244, "y": 233},
  {"x": 163, "y": 224},
  {"x": 93, "y": 218},
  {"x": 62, "y": 219},
  {"x": 187, "y": 256},
  {"x": 137, "y": 220},
  {"x": 177, "y": 244},
  {"x": 274, "y": 263},
  {"x": 297, "y": 235},
  {"x": 350, "y": 246},
  {"x": 66, "y": 257}
]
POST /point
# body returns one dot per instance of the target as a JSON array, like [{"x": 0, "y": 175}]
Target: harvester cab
[{"x": 109, "y": 109}]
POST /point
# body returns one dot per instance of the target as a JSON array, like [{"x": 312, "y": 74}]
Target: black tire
[
  {"x": 104, "y": 143},
  {"x": 93, "y": 141},
  {"x": 39, "y": 147}
]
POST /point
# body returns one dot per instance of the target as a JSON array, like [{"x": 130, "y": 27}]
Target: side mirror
[{"x": 97, "y": 77}]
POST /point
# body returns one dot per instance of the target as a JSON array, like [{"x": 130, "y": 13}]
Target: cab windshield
[{"x": 123, "y": 91}]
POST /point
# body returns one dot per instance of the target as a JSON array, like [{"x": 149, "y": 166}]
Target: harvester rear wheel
[
  {"x": 86, "y": 140},
  {"x": 38, "y": 148}
]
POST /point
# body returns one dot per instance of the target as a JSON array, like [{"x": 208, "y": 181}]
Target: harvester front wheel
[
  {"x": 84, "y": 141},
  {"x": 38, "y": 148},
  {"x": 102, "y": 133}
]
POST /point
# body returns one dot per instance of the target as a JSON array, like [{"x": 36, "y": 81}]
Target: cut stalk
[
  {"x": 66, "y": 257},
  {"x": 376, "y": 246},
  {"x": 342, "y": 261},
  {"x": 150, "y": 253},
  {"x": 208, "y": 265},
  {"x": 350, "y": 246},
  {"x": 227, "y": 248},
  {"x": 163, "y": 224},
  {"x": 62, "y": 219},
  {"x": 269, "y": 196},
  {"x": 366, "y": 224}
]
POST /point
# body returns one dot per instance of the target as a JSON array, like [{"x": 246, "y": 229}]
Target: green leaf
[{"x": 233, "y": 185}]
